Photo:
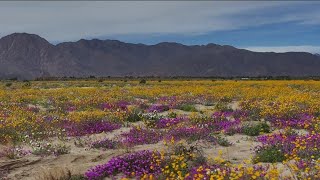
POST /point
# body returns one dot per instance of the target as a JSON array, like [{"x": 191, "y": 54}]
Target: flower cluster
[
  {"x": 291, "y": 146},
  {"x": 135, "y": 164},
  {"x": 191, "y": 133},
  {"x": 169, "y": 122},
  {"x": 300, "y": 121},
  {"x": 138, "y": 136},
  {"x": 285, "y": 115},
  {"x": 89, "y": 127}
]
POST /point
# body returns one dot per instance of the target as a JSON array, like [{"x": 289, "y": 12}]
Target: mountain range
[{"x": 29, "y": 56}]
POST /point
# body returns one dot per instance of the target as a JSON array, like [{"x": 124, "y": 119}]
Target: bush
[
  {"x": 265, "y": 128},
  {"x": 8, "y": 84},
  {"x": 104, "y": 144},
  {"x": 223, "y": 106},
  {"x": 270, "y": 154},
  {"x": 172, "y": 115},
  {"x": 188, "y": 107},
  {"x": 255, "y": 129},
  {"x": 143, "y": 81},
  {"x": 45, "y": 149},
  {"x": 223, "y": 141},
  {"x": 135, "y": 116},
  {"x": 27, "y": 84}
]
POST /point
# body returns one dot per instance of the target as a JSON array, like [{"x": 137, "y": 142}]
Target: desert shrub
[
  {"x": 291, "y": 132},
  {"x": 142, "y": 81},
  {"x": 208, "y": 103},
  {"x": 254, "y": 114},
  {"x": 222, "y": 141},
  {"x": 172, "y": 115},
  {"x": 81, "y": 142},
  {"x": 150, "y": 120},
  {"x": 158, "y": 108},
  {"x": 188, "y": 107},
  {"x": 45, "y": 149},
  {"x": 223, "y": 106},
  {"x": 255, "y": 129},
  {"x": 265, "y": 128},
  {"x": 8, "y": 84},
  {"x": 60, "y": 149},
  {"x": 27, "y": 84},
  {"x": 105, "y": 144},
  {"x": 200, "y": 119},
  {"x": 269, "y": 154},
  {"x": 134, "y": 116}
]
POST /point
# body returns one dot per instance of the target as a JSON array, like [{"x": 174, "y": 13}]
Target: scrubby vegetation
[{"x": 169, "y": 130}]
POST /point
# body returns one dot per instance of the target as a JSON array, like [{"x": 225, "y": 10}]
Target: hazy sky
[{"x": 261, "y": 26}]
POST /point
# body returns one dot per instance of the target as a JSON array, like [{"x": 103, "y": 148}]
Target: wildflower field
[{"x": 169, "y": 129}]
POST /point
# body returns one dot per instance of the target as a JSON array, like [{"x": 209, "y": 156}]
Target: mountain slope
[{"x": 29, "y": 56}]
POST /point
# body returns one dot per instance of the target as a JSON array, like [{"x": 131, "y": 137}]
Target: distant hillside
[{"x": 29, "y": 56}]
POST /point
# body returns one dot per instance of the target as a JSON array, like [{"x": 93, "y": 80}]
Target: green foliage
[
  {"x": 270, "y": 154},
  {"x": 150, "y": 120},
  {"x": 27, "y": 84},
  {"x": 60, "y": 149},
  {"x": 223, "y": 106},
  {"x": 45, "y": 149},
  {"x": 142, "y": 81},
  {"x": 134, "y": 116},
  {"x": 222, "y": 141},
  {"x": 255, "y": 129},
  {"x": 172, "y": 115},
  {"x": 8, "y": 84},
  {"x": 188, "y": 107}
]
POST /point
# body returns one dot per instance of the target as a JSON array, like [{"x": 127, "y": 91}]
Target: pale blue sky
[{"x": 261, "y": 26}]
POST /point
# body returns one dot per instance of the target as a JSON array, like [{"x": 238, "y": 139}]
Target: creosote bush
[
  {"x": 134, "y": 116},
  {"x": 142, "y": 81},
  {"x": 8, "y": 84},
  {"x": 188, "y": 107},
  {"x": 270, "y": 154},
  {"x": 254, "y": 129}
]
